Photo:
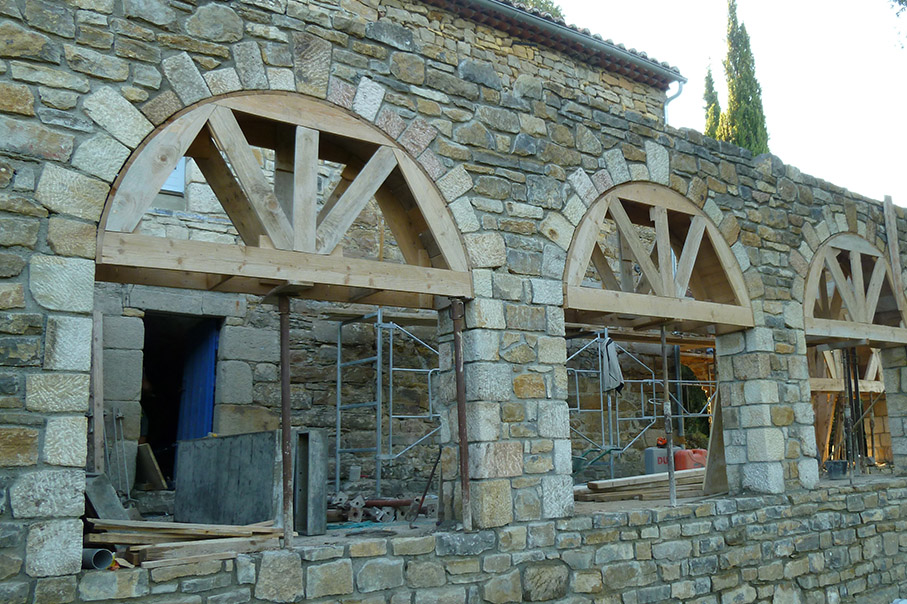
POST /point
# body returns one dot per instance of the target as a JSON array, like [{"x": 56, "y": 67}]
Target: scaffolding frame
[
  {"x": 643, "y": 390},
  {"x": 384, "y": 448}
]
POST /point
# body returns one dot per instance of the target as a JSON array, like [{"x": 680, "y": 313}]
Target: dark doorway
[{"x": 178, "y": 382}]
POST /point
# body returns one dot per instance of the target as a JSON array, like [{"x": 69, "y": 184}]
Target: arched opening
[
  {"x": 645, "y": 258},
  {"x": 277, "y": 195}
]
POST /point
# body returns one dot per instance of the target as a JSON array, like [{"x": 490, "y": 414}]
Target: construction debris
[
  {"x": 646, "y": 487},
  {"x": 155, "y": 544},
  {"x": 344, "y": 508}
]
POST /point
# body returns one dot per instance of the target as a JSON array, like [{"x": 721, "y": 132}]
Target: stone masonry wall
[
  {"x": 837, "y": 544},
  {"x": 519, "y": 140}
]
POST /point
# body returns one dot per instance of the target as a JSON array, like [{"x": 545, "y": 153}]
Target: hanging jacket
[{"x": 612, "y": 376}]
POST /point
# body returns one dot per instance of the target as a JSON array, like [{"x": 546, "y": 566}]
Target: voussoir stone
[
  {"x": 68, "y": 192},
  {"x": 215, "y": 22},
  {"x": 100, "y": 156},
  {"x": 118, "y": 116}
]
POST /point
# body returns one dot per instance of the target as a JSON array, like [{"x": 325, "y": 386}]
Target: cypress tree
[
  {"x": 712, "y": 107},
  {"x": 744, "y": 121}
]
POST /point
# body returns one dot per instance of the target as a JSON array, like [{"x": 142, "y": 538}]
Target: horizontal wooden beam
[
  {"x": 128, "y": 250},
  {"x": 833, "y": 385},
  {"x": 847, "y": 330},
  {"x": 674, "y": 309}
]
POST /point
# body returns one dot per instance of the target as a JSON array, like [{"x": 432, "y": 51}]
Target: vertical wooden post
[
  {"x": 457, "y": 315},
  {"x": 283, "y": 303},
  {"x": 97, "y": 391}
]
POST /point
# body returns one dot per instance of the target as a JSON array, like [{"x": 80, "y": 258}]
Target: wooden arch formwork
[
  {"x": 688, "y": 279},
  {"x": 852, "y": 300},
  {"x": 646, "y": 257},
  {"x": 290, "y": 241}
]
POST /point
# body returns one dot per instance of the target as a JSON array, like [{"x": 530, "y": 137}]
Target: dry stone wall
[{"x": 519, "y": 140}]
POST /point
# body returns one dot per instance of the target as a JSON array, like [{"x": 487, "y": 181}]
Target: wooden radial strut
[
  {"x": 669, "y": 265},
  {"x": 288, "y": 234},
  {"x": 851, "y": 295}
]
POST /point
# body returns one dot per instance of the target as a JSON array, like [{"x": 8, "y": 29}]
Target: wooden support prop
[
  {"x": 97, "y": 392},
  {"x": 715, "y": 478}
]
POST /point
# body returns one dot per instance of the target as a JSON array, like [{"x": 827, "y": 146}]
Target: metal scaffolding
[
  {"x": 382, "y": 401},
  {"x": 589, "y": 363}
]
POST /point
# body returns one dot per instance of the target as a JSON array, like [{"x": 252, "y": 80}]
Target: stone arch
[
  {"x": 689, "y": 277},
  {"x": 851, "y": 294},
  {"x": 288, "y": 239}
]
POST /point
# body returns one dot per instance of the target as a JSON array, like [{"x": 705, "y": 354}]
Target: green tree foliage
[
  {"x": 744, "y": 121},
  {"x": 546, "y": 6},
  {"x": 712, "y": 107}
]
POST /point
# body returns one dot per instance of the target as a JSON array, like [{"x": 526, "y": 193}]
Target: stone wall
[
  {"x": 837, "y": 544},
  {"x": 518, "y": 139}
]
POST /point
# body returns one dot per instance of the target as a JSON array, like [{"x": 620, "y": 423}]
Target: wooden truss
[
  {"x": 850, "y": 296},
  {"x": 687, "y": 278},
  {"x": 289, "y": 238}
]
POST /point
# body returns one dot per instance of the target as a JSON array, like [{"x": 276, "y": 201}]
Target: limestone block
[
  {"x": 68, "y": 192},
  {"x": 100, "y": 156},
  {"x": 124, "y": 332},
  {"x": 281, "y": 79},
  {"x": 311, "y": 63},
  {"x": 488, "y": 382},
  {"x": 118, "y": 116},
  {"x": 483, "y": 421},
  {"x": 417, "y": 136},
  {"x": 421, "y": 574},
  {"x": 53, "y": 493},
  {"x": 583, "y": 186},
  {"x": 617, "y": 166},
  {"x": 441, "y": 595},
  {"x": 481, "y": 345},
  {"x": 553, "y": 419},
  {"x": 250, "y": 66},
  {"x": 245, "y": 569},
  {"x": 54, "y": 547},
  {"x": 574, "y": 210},
  {"x": 413, "y": 546},
  {"x": 66, "y": 441},
  {"x": 464, "y": 544},
  {"x": 67, "y": 345},
  {"x": 195, "y": 569},
  {"x": 185, "y": 78},
  {"x": 558, "y": 229},
  {"x": 554, "y": 321},
  {"x": 55, "y": 590},
  {"x": 57, "y": 392},
  {"x": 455, "y": 183},
  {"x": 545, "y": 291},
  {"x": 530, "y": 386},
  {"x": 754, "y": 416},
  {"x": 280, "y": 577},
  {"x": 767, "y": 477},
  {"x": 162, "y": 107},
  {"x": 505, "y": 588},
  {"x": 216, "y": 23},
  {"x": 563, "y": 456},
  {"x": 485, "y": 313},
  {"x": 18, "y": 446},
  {"x": 104, "y": 585},
  {"x": 485, "y": 249},
  {"x": 496, "y": 459},
  {"x": 240, "y": 419},
  {"x": 545, "y": 581},
  {"x": 123, "y": 374},
  {"x": 59, "y": 283},
  {"x": 378, "y": 574},
  {"x": 492, "y": 504},
  {"x": 368, "y": 99},
  {"x": 557, "y": 496},
  {"x": 222, "y": 81},
  {"x": 765, "y": 444},
  {"x": 19, "y": 231},
  {"x": 808, "y": 472},
  {"x": 153, "y": 11},
  {"x": 234, "y": 383},
  {"x": 249, "y": 344},
  {"x": 329, "y": 579},
  {"x": 72, "y": 238}
]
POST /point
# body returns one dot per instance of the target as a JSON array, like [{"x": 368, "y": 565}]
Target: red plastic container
[{"x": 688, "y": 459}]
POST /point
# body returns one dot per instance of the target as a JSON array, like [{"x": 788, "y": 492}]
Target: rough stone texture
[
  {"x": 543, "y": 582},
  {"x": 71, "y": 238},
  {"x": 58, "y": 283},
  {"x": 492, "y": 503},
  {"x": 311, "y": 64},
  {"x": 104, "y": 585},
  {"x": 16, "y": 98},
  {"x": 122, "y": 374},
  {"x": 55, "y": 590},
  {"x": 216, "y": 23},
  {"x": 18, "y": 446},
  {"x": 48, "y": 493},
  {"x": 54, "y": 547},
  {"x": 67, "y": 345},
  {"x": 249, "y": 65},
  {"x": 34, "y": 140},
  {"x": 100, "y": 156},
  {"x": 329, "y": 579},
  {"x": 249, "y": 344},
  {"x": 185, "y": 78},
  {"x": 65, "y": 442},
  {"x": 57, "y": 392},
  {"x": 378, "y": 574},
  {"x": 280, "y": 577},
  {"x": 69, "y": 192}
]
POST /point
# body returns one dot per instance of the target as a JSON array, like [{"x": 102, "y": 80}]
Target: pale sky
[{"x": 833, "y": 76}]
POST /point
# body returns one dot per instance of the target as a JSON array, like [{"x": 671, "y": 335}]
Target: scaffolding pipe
[
  {"x": 669, "y": 431},
  {"x": 848, "y": 426},
  {"x": 859, "y": 437},
  {"x": 283, "y": 304},
  {"x": 456, "y": 315},
  {"x": 678, "y": 375}
]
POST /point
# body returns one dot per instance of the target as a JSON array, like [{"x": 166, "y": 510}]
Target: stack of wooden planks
[
  {"x": 156, "y": 544},
  {"x": 646, "y": 487}
]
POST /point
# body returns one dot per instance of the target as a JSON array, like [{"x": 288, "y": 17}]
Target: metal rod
[
  {"x": 669, "y": 430},
  {"x": 337, "y": 406},
  {"x": 678, "y": 374},
  {"x": 379, "y": 399},
  {"x": 859, "y": 436},
  {"x": 456, "y": 315},
  {"x": 283, "y": 305},
  {"x": 412, "y": 523},
  {"x": 848, "y": 392}
]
